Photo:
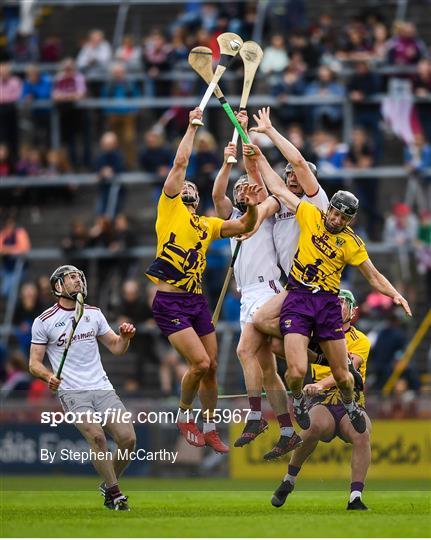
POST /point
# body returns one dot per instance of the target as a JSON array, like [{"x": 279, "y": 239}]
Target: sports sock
[
  {"x": 285, "y": 422},
  {"x": 255, "y": 406},
  {"x": 356, "y": 489},
  {"x": 298, "y": 399},
  {"x": 349, "y": 405},
  {"x": 209, "y": 426},
  {"x": 292, "y": 473},
  {"x": 114, "y": 491},
  {"x": 185, "y": 414}
]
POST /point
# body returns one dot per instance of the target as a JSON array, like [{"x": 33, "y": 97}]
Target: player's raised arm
[
  {"x": 222, "y": 203},
  {"x": 118, "y": 344},
  {"x": 175, "y": 180},
  {"x": 235, "y": 227},
  {"x": 272, "y": 180},
  {"x": 383, "y": 285},
  {"x": 303, "y": 172},
  {"x": 37, "y": 369}
]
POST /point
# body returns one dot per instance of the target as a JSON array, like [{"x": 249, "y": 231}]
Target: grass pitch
[{"x": 71, "y": 507}]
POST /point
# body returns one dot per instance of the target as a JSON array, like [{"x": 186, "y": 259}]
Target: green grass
[{"x": 70, "y": 507}]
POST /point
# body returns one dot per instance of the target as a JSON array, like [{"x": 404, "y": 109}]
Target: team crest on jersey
[
  {"x": 288, "y": 323},
  {"x": 87, "y": 318},
  {"x": 339, "y": 241},
  {"x": 176, "y": 322}
]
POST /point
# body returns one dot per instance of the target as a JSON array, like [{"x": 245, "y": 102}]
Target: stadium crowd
[{"x": 300, "y": 59}]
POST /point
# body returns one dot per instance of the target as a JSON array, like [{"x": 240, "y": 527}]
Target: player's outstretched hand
[
  {"x": 401, "y": 301},
  {"x": 251, "y": 194},
  {"x": 313, "y": 389},
  {"x": 251, "y": 151},
  {"x": 53, "y": 383},
  {"x": 127, "y": 330},
  {"x": 262, "y": 120},
  {"x": 230, "y": 150},
  {"x": 242, "y": 118},
  {"x": 195, "y": 114}
]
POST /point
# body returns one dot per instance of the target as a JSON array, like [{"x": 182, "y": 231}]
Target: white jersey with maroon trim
[
  {"x": 286, "y": 229},
  {"x": 257, "y": 259},
  {"x": 83, "y": 368}
]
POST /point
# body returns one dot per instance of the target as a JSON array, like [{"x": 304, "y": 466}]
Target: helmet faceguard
[
  {"x": 190, "y": 194},
  {"x": 349, "y": 299},
  {"x": 288, "y": 170},
  {"x": 240, "y": 205},
  {"x": 58, "y": 278},
  {"x": 346, "y": 203}
]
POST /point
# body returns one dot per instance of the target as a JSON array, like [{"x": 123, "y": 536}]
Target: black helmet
[
  {"x": 242, "y": 207},
  {"x": 60, "y": 273},
  {"x": 345, "y": 202},
  {"x": 289, "y": 168}
]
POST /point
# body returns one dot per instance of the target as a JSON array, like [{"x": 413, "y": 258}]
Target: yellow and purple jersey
[
  {"x": 182, "y": 241},
  {"x": 357, "y": 344},
  {"x": 321, "y": 256}
]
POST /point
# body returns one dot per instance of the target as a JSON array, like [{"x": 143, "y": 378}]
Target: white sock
[
  {"x": 287, "y": 431},
  {"x": 297, "y": 401},
  {"x": 185, "y": 416},
  {"x": 254, "y": 415},
  {"x": 355, "y": 494},
  {"x": 290, "y": 478},
  {"x": 349, "y": 406},
  {"x": 209, "y": 426}
]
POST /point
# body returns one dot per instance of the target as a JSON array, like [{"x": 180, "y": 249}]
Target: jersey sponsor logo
[
  {"x": 284, "y": 215},
  {"x": 321, "y": 243},
  {"x": 77, "y": 337},
  {"x": 59, "y": 323}
]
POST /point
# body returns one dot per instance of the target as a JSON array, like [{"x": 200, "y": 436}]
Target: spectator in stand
[
  {"x": 217, "y": 261},
  {"x": 155, "y": 157},
  {"x": 354, "y": 44},
  {"x": 363, "y": 85},
  {"x": 325, "y": 115},
  {"x": 291, "y": 84},
  {"x": 400, "y": 231},
  {"x": 50, "y": 50},
  {"x": 331, "y": 154},
  {"x": 73, "y": 244},
  {"x": 44, "y": 289},
  {"x": 310, "y": 52},
  {"x": 180, "y": 49},
  {"x": 38, "y": 87},
  {"x": 30, "y": 162},
  {"x": 6, "y": 168},
  {"x": 232, "y": 305},
  {"x": 206, "y": 163},
  {"x": 405, "y": 48},
  {"x": 129, "y": 54},
  {"x": 10, "y": 94},
  {"x": 417, "y": 159},
  {"x": 100, "y": 236},
  {"x": 95, "y": 55},
  {"x": 156, "y": 58},
  {"x": 275, "y": 58},
  {"x": 25, "y": 48},
  {"x": 423, "y": 250},
  {"x": 70, "y": 88},
  {"x": 14, "y": 243},
  {"x": 18, "y": 378},
  {"x": 361, "y": 156},
  {"x": 57, "y": 162},
  {"x": 380, "y": 41},
  {"x": 121, "y": 119},
  {"x": 27, "y": 309},
  {"x": 109, "y": 164},
  {"x": 422, "y": 89},
  {"x": 123, "y": 238}
]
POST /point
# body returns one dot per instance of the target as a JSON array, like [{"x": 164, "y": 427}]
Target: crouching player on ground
[
  {"x": 328, "y": 418},
  {"x": 84, "y": 385},
  {"x": 179, "y": 308}
]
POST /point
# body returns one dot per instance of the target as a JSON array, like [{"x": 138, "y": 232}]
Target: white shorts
[{"x": 254, "y": 296}]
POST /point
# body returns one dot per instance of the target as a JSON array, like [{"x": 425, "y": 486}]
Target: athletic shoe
[
  {"x": 357, "y": 418},
  {"x": 356, "y": 504},
  {"x": 357, "y": 377},
  {"x": 251, "y": 430},
  {"x": 120, "y": 504},
  {"x": 109, "y": 501},
  {"x": 212, "y": 439},
  {"x": 102, "y": 489},
  {"x": 284, "y": 446},
  {"x": 280, "y": 495},
  {"x": 301, "y": 413},
  {"x": 191, "y": 433}
]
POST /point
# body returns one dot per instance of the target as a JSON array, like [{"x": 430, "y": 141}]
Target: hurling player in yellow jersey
[
  {"x": 326, "y": 244},
  {"x": 179, "y": 308},
  {"x": 328, "y": 415}
]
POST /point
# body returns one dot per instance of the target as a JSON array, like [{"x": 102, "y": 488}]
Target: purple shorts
[
  {"x": 308, "y": 313},
  {"x": 337, "y": 411},
  {"x": 176, "y": 311}
]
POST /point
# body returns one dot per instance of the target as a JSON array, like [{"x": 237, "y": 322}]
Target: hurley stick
[{"x": 227, "y": 279}]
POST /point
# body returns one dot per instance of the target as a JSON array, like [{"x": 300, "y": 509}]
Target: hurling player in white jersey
[
  {"x": 257, "y": 278},
  {"x": 84, "y": 385},
  {"x": 300, "y": 178}
]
